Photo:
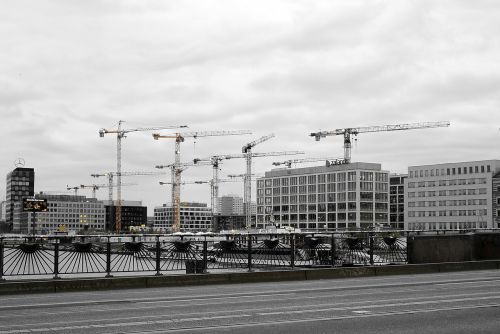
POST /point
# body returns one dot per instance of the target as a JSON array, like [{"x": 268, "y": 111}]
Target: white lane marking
[
  {"x": 205, "y": 329},
  {"x": 214, "y": 314},
  {"x": 215, "y": 298},
  {"x": 382, "y": 305}
]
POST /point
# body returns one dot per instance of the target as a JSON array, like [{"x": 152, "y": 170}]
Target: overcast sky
[{"x": 71, "y": 67}]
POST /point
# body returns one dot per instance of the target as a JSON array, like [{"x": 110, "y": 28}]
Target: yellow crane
[
  {"x": 176, "y": 167},
  {"x": 348, "y": 132},
  {"x": 121, "y": 133}
]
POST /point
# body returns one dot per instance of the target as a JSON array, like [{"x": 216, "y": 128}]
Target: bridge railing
[{"x": 108, "y": 255}]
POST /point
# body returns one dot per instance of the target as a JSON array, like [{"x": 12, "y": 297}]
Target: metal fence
[{"x": 84, "y": 255}]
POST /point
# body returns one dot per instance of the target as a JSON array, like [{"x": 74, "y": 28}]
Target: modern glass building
[{"x": 350, "y": 196}]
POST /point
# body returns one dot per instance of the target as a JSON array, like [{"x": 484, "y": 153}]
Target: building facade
[
  {"x": 66, "y": 213},
  {"x": 451, "y": 196},
  {"x": 195, "y": 217},
  {"x": 232, "y": 205},
  {"x": 350, "y": 196},
  {"x": 132, "y": 212},
  {"x": 20, "y": 184},
  {"x": 397, "y": 201}
]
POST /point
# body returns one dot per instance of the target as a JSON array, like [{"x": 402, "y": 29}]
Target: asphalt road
[{"x": 464, "y": 302}]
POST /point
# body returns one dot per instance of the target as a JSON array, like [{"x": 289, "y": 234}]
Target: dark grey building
[
  {"x": 20, "y": 184},
  {"x": 133, "y": 214},
  {"x": 397, "y": 201}
]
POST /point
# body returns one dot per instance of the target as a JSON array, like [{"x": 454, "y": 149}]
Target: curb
[{"x": 135, "y": 282}]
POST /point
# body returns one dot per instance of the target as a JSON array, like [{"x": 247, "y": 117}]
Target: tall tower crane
[
  {"x": 216, "y": 160},
  {"x": 347, "y": 132},
  {"x": 289, "y": 163},
  {"x": 121, "y": 133},
  {"x": 176, "y": 169},
  {"x": 247, "y": 190},
  {"x": 110, "y": 176}
]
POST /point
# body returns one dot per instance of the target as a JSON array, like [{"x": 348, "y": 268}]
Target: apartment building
[{"x": 452, "y": 196}]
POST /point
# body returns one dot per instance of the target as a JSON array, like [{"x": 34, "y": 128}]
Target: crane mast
[
  {"x": 176, "y": 169},
  {"x": 247, "y": 188},
  {"x": 348, "y": 132}
]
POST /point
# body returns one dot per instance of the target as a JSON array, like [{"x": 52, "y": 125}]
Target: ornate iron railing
[{"x": 87, "y": 255}]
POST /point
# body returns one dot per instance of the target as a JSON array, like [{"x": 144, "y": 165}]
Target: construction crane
[
  {"x": 176, "y": 169},
  {"x": 247, "y": 190},
  {"x": 75, "y": 189},
  {"x": 110, "y": 176},
  {"x": 121, "y": 133},
  {"x": 328, "y": 161},
  {"x": 212, "y": 198},
  {"x": 217, "y": 159},
  {"x": 347, "y": 132},
  {"x": 96, "y": 187}
]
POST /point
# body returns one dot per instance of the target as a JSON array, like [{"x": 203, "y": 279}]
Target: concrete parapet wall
[
  {"x": 136, "y": 282},
  {"x": 453, "y": 247}
]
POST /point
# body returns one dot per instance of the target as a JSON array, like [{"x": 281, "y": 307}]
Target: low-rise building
[
  {"x": 134, "y": 215},
  {"x": 194, "y": 217}
]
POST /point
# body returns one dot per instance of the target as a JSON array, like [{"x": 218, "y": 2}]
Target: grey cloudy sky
[{"x": 71, "y": 67}]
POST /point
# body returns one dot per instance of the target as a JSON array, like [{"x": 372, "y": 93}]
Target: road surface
[{"x": 462, "y": 302}]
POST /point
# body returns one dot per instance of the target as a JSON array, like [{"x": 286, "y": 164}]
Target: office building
[
  {"x": 452, "y": 196},
  {"x": 66, "y": 213},
  {"x": 20, "y": 184},
  {"x": 354, "y": 195}
]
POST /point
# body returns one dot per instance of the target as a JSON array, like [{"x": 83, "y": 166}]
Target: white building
[
  {"x": 451, "y": 196},
  {"x": 195, "y": 217},
  {"x": 354, "y": 195},
  {"x": 68, "y": 213},
  {"x": 232, "y": 205}
]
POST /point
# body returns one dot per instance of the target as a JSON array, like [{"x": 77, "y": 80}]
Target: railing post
[
  {"x": 56, "y": 259},
  {"x": 371, "y": 248},
  {"x": 292, "y": 250},
  {"x": 205, "y": 255},
  {"x": 332, "y": 250},
  {"x": 249, "y": 249},
  {"x": 1, "y": 259},
  {"x": 158, "y": 256},
  {"x": 108, "y": 258}
]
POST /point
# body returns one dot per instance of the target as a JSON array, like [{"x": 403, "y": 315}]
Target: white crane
[
  {"x": 328, "y": 161},
  {"x": 347, "y": 132},
  {"x": 120, "y": 133}
]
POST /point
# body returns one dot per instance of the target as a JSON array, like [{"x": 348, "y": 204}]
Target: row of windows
[
  {"x": 322, "y": 178},
  {"x": 450, "y": 171},
  {"x": 331, "y": 217},
  {"x": 446, "y": 226},
  {"x": 323, "y": 198},
  {"x": 330, "y": 207},
  {"x": 322, "y": 188},
  {"x": 456, "y": 192},
  {"x": 448, "y": 203},
  {"x": 442, "y": 183},
  {"x": 443, "y": 213}
]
